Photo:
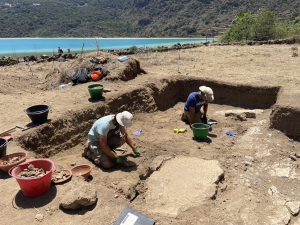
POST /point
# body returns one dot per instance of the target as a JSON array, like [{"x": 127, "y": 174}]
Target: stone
[
  {"x": 248, "y": 161},
  {"x": 294, "y": 207},
  {"x": 181, "y": 183},
  {"x": 281, "y": 172},
  {"x": 158, "y": 161},
  {"x": 39, "y": 217},
  {"x": 297, "y": 222},
  {"x": 293, "y": 157},
  {"x": 240, "y": 113},
  {"x": 78, "y": 194},
  {"x": 249, "y": 158},
  {"x": 154, "y": 166},
  {"x": 281, "y": 216},
  {"x": 277, "y": 197}
]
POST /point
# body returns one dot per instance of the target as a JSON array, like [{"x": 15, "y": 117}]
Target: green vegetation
[
  {"x": 295, "y": 52},
  {"x": 139, "y": 18},
  {"x": 260, "y": 27}
]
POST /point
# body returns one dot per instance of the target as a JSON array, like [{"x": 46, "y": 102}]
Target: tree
[
  {"x": 241, "y": 29},
  {"x": 264, "y": 26}
]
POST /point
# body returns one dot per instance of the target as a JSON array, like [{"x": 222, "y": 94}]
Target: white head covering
[
  {"x": 208, "y": 92},
  {"x": 124, "y": 119}
]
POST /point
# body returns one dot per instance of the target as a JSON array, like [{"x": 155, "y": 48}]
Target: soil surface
[{"x": 261, "y": 167}]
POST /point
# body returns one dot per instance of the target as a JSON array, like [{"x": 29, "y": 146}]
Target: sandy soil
[
  {"x": 21, "y": 86},
  {"x": 243, "y": 197}
]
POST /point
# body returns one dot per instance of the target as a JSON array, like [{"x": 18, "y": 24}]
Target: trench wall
[
  {"x": 72, "y": 128},
  {"x": 287, "y": 120}
]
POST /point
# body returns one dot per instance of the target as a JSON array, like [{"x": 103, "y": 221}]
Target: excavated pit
[{"x": 72, "y": 128}]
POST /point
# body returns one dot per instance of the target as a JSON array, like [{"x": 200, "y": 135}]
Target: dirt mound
[
  {"x": 127, "y": 71},
  {"x": 113, "y": 69}
]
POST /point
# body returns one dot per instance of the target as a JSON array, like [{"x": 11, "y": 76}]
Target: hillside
[{"x": 114, "y": 18}]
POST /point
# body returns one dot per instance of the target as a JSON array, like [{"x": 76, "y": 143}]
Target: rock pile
[
  {"x": 32, "y": 172},
  {"x": 12, "y": 160},
  {"x": 8, "y": 61}
]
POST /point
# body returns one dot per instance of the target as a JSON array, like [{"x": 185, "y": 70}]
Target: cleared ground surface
[
  {"x": 21, "y": 85},
  {"x": 253, "y": 162},
  {"x": 259, "y": 176}
]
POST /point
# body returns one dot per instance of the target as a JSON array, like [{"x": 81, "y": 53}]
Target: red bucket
[{"x": 33, "y": 187}]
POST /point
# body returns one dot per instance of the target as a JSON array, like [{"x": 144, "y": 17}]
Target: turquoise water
[{"x": 35, "y": 45}]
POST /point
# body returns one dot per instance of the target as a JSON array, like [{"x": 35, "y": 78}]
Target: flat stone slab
[
  {"x": 235, "y": 112},
  {"x": 181, "y": 183}
]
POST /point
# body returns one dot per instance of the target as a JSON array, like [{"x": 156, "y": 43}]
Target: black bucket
[
  {"x": 3, "y": 146},
  {"x": 38, "y": 113}
]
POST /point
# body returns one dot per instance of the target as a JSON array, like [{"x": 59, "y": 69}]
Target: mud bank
[
  {"x": 287, "y": 120},
  {"x": 72, "y": 129}
]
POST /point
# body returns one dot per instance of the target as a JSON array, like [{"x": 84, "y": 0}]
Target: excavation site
[{"x": 244, "y": 171}]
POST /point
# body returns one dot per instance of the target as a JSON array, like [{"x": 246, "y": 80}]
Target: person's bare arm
[
  {"x": 132, "y": 145},
  {"x": 129, "y": 140},
  {"x": 205, "y": 107},
  {"x": 192, "y": 115},
  {"x": 106, "y": 149}
]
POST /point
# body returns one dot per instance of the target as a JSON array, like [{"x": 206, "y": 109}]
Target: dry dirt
[{"x": 259, "y": 177}]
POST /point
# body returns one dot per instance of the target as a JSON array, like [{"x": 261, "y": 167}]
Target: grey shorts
[{"x": 94, "y": 153}]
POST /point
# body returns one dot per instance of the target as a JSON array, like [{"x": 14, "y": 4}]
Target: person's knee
[{"x": 107, "y": 164}]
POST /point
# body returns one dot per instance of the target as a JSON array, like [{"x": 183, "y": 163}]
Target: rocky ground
[{"x": 251, "y": 178}]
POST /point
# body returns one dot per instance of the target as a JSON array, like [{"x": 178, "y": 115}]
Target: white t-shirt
[{"x": 101, "y": 128}]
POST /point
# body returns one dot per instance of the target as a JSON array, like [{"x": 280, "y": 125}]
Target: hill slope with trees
[{"x": 130, "y": 18}]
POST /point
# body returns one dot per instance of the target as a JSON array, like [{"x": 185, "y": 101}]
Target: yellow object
[{"x": 178, "y": 131}]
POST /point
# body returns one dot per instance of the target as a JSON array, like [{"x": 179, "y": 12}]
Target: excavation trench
[{"x": 72, "y": 128}]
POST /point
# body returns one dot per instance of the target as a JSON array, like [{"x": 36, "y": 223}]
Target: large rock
[
  {"x": 282, "y": 169},
  {"x": 280, "y": 216},
  {"x": 294, "y": 207},
  {"x": 181, "y": 183},
  {"x": 240, "y": 114},
  {"x": 78, "y": 194}
]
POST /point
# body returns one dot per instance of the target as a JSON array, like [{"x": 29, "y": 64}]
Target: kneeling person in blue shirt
[{"x": 195, "y": 101}]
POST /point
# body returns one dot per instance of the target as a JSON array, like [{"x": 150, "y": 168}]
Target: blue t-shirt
[
  {"x": 193, "y": 101},
  {"x": 101, "y": 128}
]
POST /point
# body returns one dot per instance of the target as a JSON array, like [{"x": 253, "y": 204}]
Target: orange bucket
[{"x": 97, "y": 75}]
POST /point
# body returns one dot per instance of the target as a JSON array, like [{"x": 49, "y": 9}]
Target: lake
[{"x": 12, "y": 46}]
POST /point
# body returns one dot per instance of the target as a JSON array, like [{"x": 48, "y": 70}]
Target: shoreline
[
  {"x": 125, "y": 49},
  {"x": 115, "y": 38}
]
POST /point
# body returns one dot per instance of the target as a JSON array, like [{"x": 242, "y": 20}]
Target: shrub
[
  {"x": 264, "y": 26},
  {"x": 295, "y": 52},
  {"x": 241, "y": 29},
  {"x": 259, "y": 27}
]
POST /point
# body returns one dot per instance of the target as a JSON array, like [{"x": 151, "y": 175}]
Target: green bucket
[
  {"x": 96, "y": 91},
  {"x": 200, "y": 131}
]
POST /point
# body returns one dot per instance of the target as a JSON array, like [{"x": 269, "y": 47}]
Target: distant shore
[
  {"x": 34, "y": 46},
  {"x": 125, "y": 51},
  {"x": 115, "y": 38}
]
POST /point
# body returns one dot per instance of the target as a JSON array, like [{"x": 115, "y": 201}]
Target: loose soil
[{"x": 259, "y": 176}]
